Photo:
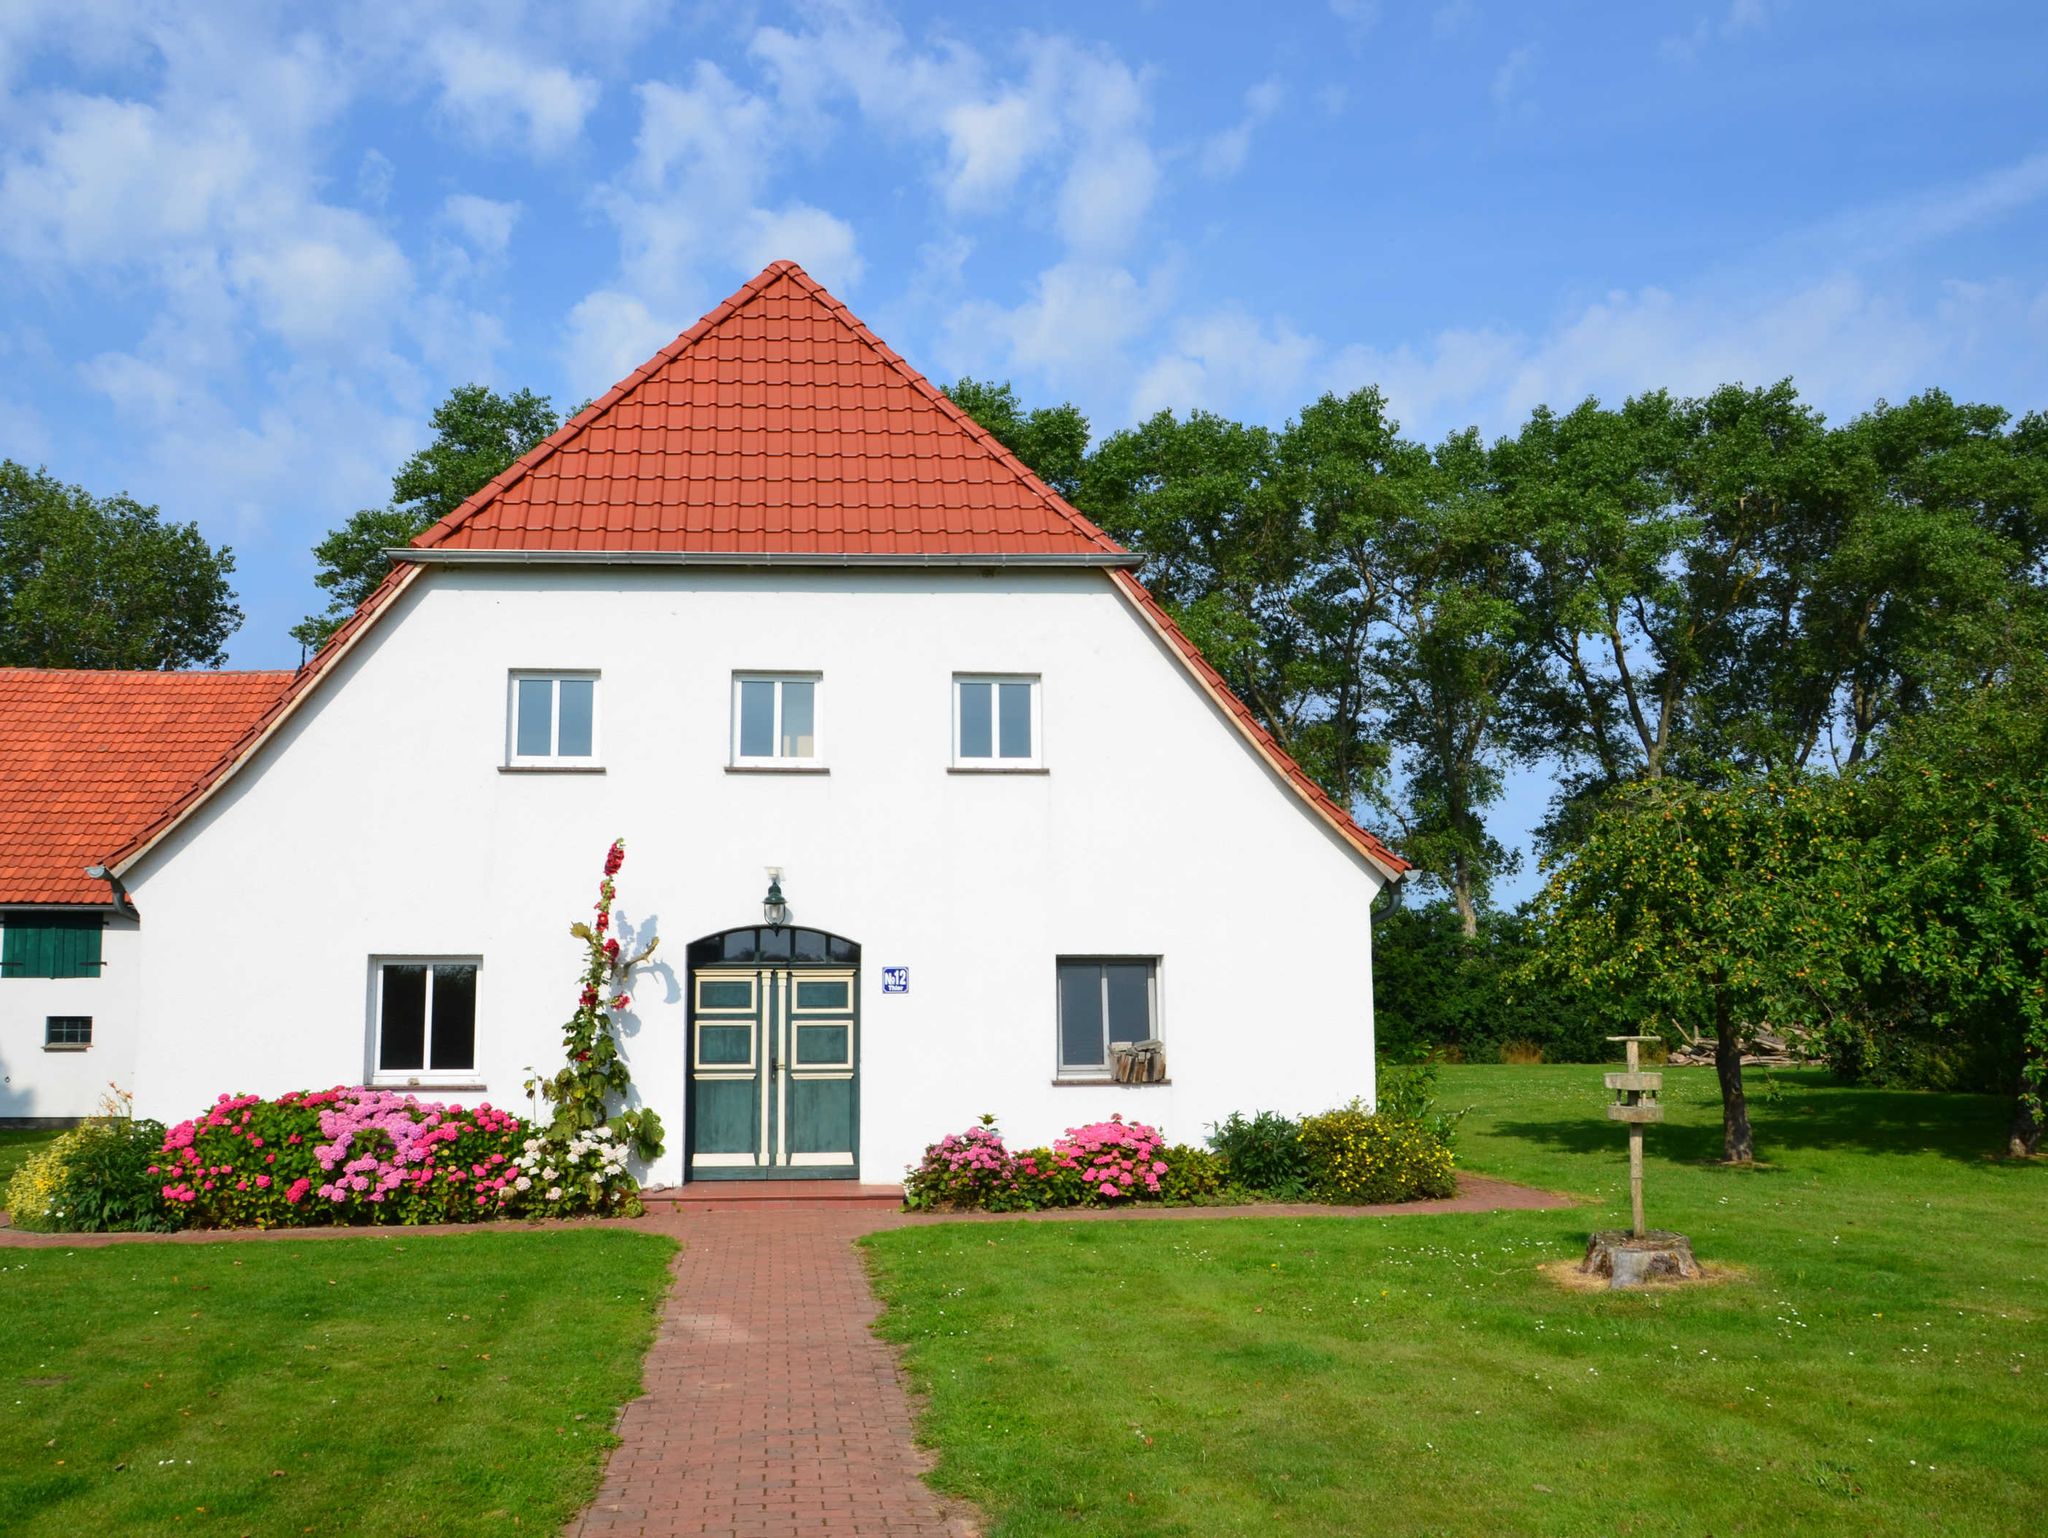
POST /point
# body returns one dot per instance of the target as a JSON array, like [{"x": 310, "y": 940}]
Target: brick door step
[{"x": 753, "y": 1192}]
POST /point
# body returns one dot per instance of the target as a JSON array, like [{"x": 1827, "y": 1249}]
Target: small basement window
[
  {"x": 67, "y": 1033},
  {"x": 1104, "y": 1000},
  {"x": 50, "y": 943},
  {"x": 425, "y": 1026},
  {"x": 995, "y": 721},
  {"x": 553, "y": 721},
  {"x": 775, "y": 721}
]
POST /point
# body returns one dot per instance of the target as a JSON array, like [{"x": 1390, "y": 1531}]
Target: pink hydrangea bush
[
  {"x": 1097, "y": 1165},
  {"x": 1118, "y": 1161},
  {"x": 342, "y": 1155}
]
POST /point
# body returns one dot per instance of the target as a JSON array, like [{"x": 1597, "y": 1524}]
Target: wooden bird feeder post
[
  {"x": 1642, "y": 1254},
  {"x": 1635, "y": 1102}
]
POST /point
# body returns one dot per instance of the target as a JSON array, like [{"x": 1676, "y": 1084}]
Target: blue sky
[{"x": 244, "y": 249}]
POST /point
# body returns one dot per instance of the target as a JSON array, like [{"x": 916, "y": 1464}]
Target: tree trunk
[
  {"x": 1737, "y": 1145},
  {"x": 2024, "y": 1141},
  {"x": 1461, "y": 894}
]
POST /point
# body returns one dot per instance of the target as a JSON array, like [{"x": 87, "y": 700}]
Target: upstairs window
[
  {"x": 995, "y": 721},
  {"x": 1104, "y": 1002},
  {"x": 775, "y": 721},
  {"x": 426, "y": 1019},
  {"x": 553, "y": 721},
  {"x": 50, "y": 943}
]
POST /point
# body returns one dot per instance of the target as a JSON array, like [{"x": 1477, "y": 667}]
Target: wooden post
[
  {"x": 1636, "y": 1102},
  {"x": 1635, "y": 1152}
]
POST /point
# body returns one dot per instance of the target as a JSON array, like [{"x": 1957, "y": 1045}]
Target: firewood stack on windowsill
[{"x": 1138, "y": 1062}]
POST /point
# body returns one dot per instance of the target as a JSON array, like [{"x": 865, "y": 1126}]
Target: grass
[
  {"x": 400, "y": 1384},
  {"x": 16, "y": 1144},
  {"x": 1880, "y": 1367}
]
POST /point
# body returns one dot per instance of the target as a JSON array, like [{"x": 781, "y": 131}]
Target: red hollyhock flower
[
  {"x": 611, "y": 949},
  {"x": 604, "y": 921},
  {"x": 616, "y": 858},
  {"x": 590, "y": 998},
  {"x": 621, "y": 1001}
]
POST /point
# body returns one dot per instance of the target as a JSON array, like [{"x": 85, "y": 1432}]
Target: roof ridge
[
  {"x": 27, "y": 672},
  {"x": 1084, "y": 525},
  {"x": 585, "y": 419}
]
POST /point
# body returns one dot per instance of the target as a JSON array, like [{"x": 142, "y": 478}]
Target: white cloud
[
  {"x": 822, "y": 244},
  {"x": 496, "y": 95},
  {"x": 1512, "y": 79},
  {"x": 1228, "y": 361},
  {"x": 1078, "y": 318},
  {"x": 485, "y": 224},
  {"x": 1223, "y": 154},
  {"x": 1741, "y": 16},
  {"x": 609, "y": 334}
]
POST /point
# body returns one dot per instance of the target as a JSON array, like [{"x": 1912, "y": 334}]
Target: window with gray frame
[
  {"x": 1104, "y": 1000},
  {"x": 66, "y": 1031},
  {"x": 554, "y": 721}
]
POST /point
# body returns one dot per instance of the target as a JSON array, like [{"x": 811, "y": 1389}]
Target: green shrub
[
  {"x": 1356, "y": 1156},
  {"x": 1407, "y": 1092},
  {"x": 94, "y": 1179},
  {"x": 1438, "y": 990},
  {"x": 1194, "y": 1174},
  {"x": 1264, "y": 1153}
]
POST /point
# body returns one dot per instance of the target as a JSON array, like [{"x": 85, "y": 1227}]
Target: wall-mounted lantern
[{"x": 774, "y": 909}]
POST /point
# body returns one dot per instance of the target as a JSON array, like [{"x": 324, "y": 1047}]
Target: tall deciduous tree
[
  {"x": 1710, "y": 913},
  {"x": 105, "y": 582},
  {"x": 1051, "y": 440},
  {"x": 478, "y": 433},
  {"x": 1954, "y": 817}
]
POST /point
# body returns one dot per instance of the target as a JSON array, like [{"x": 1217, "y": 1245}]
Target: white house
[{"x": 774, "y": 611}]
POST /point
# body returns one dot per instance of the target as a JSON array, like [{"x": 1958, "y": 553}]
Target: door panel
[{"x": 774, "y": 1086}]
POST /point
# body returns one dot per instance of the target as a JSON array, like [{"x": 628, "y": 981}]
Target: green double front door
[{"x": 774, "y": 1081}]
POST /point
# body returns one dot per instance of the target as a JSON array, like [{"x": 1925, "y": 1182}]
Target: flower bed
[
  {"x": 341, "y": 1155},
  {"x": 1349, "y": 1155}
]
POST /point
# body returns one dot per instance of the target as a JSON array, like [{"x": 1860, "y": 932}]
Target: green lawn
[
  {"x": 1881, "y": 1367},
  {"x": 16, "y": 1144},
  {"x": 398, "y": 1384}
]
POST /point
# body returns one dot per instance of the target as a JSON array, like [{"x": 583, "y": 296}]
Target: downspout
[{"x": 117, "y": 896}]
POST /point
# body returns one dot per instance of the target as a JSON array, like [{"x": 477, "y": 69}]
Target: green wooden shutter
[{"x": 50, "y": 945}]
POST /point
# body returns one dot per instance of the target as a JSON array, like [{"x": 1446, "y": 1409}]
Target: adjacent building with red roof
[{"x": 935, "y": 810}]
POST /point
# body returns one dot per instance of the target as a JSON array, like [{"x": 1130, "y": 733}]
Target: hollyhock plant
[{"x": 596, "y": 1076}]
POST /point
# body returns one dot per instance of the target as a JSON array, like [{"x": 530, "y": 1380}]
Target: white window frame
[
  {"x": 1092, "y": 1073},
  {"x": 997, "y": 763},
  {"x": 738, "y": 760},
  {"x": 514, "y": 759},
  {"x": 423, "y": 1076}
]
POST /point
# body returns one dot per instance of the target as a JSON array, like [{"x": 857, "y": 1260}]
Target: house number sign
[{"x": 895, "y": 979}]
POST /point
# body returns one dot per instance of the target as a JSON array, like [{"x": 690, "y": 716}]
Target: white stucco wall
[
  {"x": 379, "y": 822},
  {"x": 36, "y": 1081}
]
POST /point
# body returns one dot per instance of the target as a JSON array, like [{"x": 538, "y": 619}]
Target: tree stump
[{"x": 1628, "y": 1261}]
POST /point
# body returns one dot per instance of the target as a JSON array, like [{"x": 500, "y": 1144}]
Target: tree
[
  {"x": 104, "y": 582},
  {"x": 1457, "y": 640},
  {"x": 1051, "y": 440},
  {"x": 478, "y": 433},
  {"x": 1709, "y": 913},
  {"x": 1954, "y": 818}
]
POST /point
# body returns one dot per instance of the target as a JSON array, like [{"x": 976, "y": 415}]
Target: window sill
[
  {"x": 460, "y": 1086},
  {"x": 997, "y": 769},
  {"x": 1108, "y": 1083},
  {"x": 777, "y": 769},
  {"x": 551, "y": 768},
  {"x": 67, "y": 1046}
]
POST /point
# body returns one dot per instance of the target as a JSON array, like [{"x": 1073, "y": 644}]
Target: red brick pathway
[{"x": 770, "y": 1408}]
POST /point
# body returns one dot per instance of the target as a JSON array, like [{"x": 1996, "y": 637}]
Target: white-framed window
[
  {"x": 778, "y": 721},
  {"x": 1104, "y": 1001},
  {"x": 423, "y": 1028},
  {"x": 551, "y": 720},
  {"x": 995, "y": 721}
]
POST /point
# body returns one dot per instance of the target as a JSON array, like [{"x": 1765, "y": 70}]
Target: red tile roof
[
  {"x": 776, "y": 425},
  {"x": 92, "y": 758}
]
